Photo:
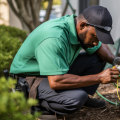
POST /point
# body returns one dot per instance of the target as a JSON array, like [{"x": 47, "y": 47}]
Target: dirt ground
[{"x": 111, "y": 112}]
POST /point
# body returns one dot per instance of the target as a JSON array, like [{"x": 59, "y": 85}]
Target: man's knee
[
  {"x": 76, "y": 102},
  {"x": 80, "y": 99},
  {"x": 68, "y": 102},
  {"x": 76, "y": 98}
]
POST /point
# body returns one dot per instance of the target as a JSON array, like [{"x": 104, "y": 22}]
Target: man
[{"x": 53, "y": 50}]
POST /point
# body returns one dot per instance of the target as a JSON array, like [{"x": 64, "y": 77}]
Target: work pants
[{"x": 67, "y": 101}]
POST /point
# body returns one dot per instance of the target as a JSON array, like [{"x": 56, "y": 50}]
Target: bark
[
  {"x": 28, "y": 11},
  {"x": 65, "y": 9},
  {"x": 48, "y": 11},
  {"x": 66, "y": 6}
]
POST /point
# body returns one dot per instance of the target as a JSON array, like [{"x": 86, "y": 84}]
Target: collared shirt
[{"x": 49, "y": 50}]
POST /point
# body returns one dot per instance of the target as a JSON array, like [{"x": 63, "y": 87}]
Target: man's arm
[
  {"x": 70, "y": 81},
  {"x": 105, "y": 53}
]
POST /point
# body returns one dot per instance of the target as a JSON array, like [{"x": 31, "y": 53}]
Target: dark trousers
[{"x": 67, "y": 101}]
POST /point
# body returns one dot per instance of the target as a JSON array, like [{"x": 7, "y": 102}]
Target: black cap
[{"x": 100, "y": 18}]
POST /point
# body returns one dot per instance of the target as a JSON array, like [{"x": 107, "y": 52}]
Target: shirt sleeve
[
  {"x": 50, "y": 55},
  {"x": 93, "y": 49}
]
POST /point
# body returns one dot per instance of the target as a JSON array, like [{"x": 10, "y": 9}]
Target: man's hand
[
  {"x": 70, "y": 81},
  {"x": 109, "y": 75}
]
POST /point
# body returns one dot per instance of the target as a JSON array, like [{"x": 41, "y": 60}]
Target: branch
[
  {"x": 24, "y": 16},
  {"x": 39, "y": 2},
  {"x": 48, "y": 11},
  {"x": 13, "y": 8},
  {"x": 34, "y": 12},
  {"x": 73, "y": 10},
  {"x": 65, "y": 8},
  {"x": 27, "y": 7},
  {"x": 23, "y": 11}
]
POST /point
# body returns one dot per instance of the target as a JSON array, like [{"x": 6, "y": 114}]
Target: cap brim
[{"x": 104, "y": 37}]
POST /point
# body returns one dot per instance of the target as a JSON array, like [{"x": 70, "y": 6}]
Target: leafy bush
[
  {"x": 11, "y": 39},
  {"x": 13, "y": 105}
]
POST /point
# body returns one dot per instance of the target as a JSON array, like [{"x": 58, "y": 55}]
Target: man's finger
[
  {"x": 115, "y": 76},
  {"x": 115, "y": 73},
  {"x": 114, "y": 69}
]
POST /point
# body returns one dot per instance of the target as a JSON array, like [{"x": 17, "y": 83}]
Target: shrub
[
  {"x": 13, "y": 105},
  {"x": 11, "y": 39}
]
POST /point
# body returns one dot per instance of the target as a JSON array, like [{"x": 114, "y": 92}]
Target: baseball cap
[{"x": 100, "y": 18}]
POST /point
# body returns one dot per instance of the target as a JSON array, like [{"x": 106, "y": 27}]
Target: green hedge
[
  {"x": 13, "y": 105},
  {"x": 11, "y": 39}
]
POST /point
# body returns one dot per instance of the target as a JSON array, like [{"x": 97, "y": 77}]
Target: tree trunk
[{"x": 28, "y": 11}]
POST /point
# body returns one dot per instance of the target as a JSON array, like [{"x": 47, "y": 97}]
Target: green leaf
[
  {"x": 11, "y": 39},
  {"x": 14, "y": 106}
]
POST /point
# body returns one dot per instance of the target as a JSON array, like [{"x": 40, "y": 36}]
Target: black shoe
[{"x": 95, "y": 103}]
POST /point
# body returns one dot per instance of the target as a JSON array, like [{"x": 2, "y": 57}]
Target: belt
[{"x": 33, "y": 83}]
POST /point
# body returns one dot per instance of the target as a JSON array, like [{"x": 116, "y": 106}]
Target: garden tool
[{"x": 116, "y": 63}]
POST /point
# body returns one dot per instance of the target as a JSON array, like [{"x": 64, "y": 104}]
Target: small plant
[
  {"x": 13, "y": 105},
  {"x": 11, "y": 39}
]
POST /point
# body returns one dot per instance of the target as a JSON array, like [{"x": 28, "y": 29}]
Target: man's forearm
[
  {"x": 105, "y": 53},
  {"x": 70, "y": 81}
]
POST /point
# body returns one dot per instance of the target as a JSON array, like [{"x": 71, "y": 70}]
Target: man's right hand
[
  {"x": 109, "y": 75},
  {"x": 70, "y": 81}
]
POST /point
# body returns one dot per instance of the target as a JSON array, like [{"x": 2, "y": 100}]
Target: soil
[{"x": 111, "y": 112}]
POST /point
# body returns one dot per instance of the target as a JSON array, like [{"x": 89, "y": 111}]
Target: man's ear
[{"x": 82, "y": 25}]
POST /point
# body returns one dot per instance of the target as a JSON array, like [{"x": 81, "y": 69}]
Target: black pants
[{"x": 67, "y": 101}]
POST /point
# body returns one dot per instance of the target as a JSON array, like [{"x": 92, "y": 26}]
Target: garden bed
[{"x": 111, "y": 112}]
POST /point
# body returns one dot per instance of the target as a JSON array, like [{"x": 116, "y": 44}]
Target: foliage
[
  {"x": 13, "y": 105},
  {"x": 10, "y": 40},
  {"x": 55, "y": 2}
]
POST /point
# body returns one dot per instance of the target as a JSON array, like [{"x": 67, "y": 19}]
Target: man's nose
[{"x": 95, "y": 43}]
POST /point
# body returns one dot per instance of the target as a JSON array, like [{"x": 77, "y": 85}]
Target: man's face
[
  {"x": 87, "y": 34},
  {"x": 90, "y": 39}
]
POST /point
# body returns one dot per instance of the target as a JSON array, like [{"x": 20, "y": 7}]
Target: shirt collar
[{"x": 73, "y": 33}]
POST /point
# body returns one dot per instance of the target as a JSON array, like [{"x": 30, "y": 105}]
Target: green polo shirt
[{"x": 49, "y": 50}]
